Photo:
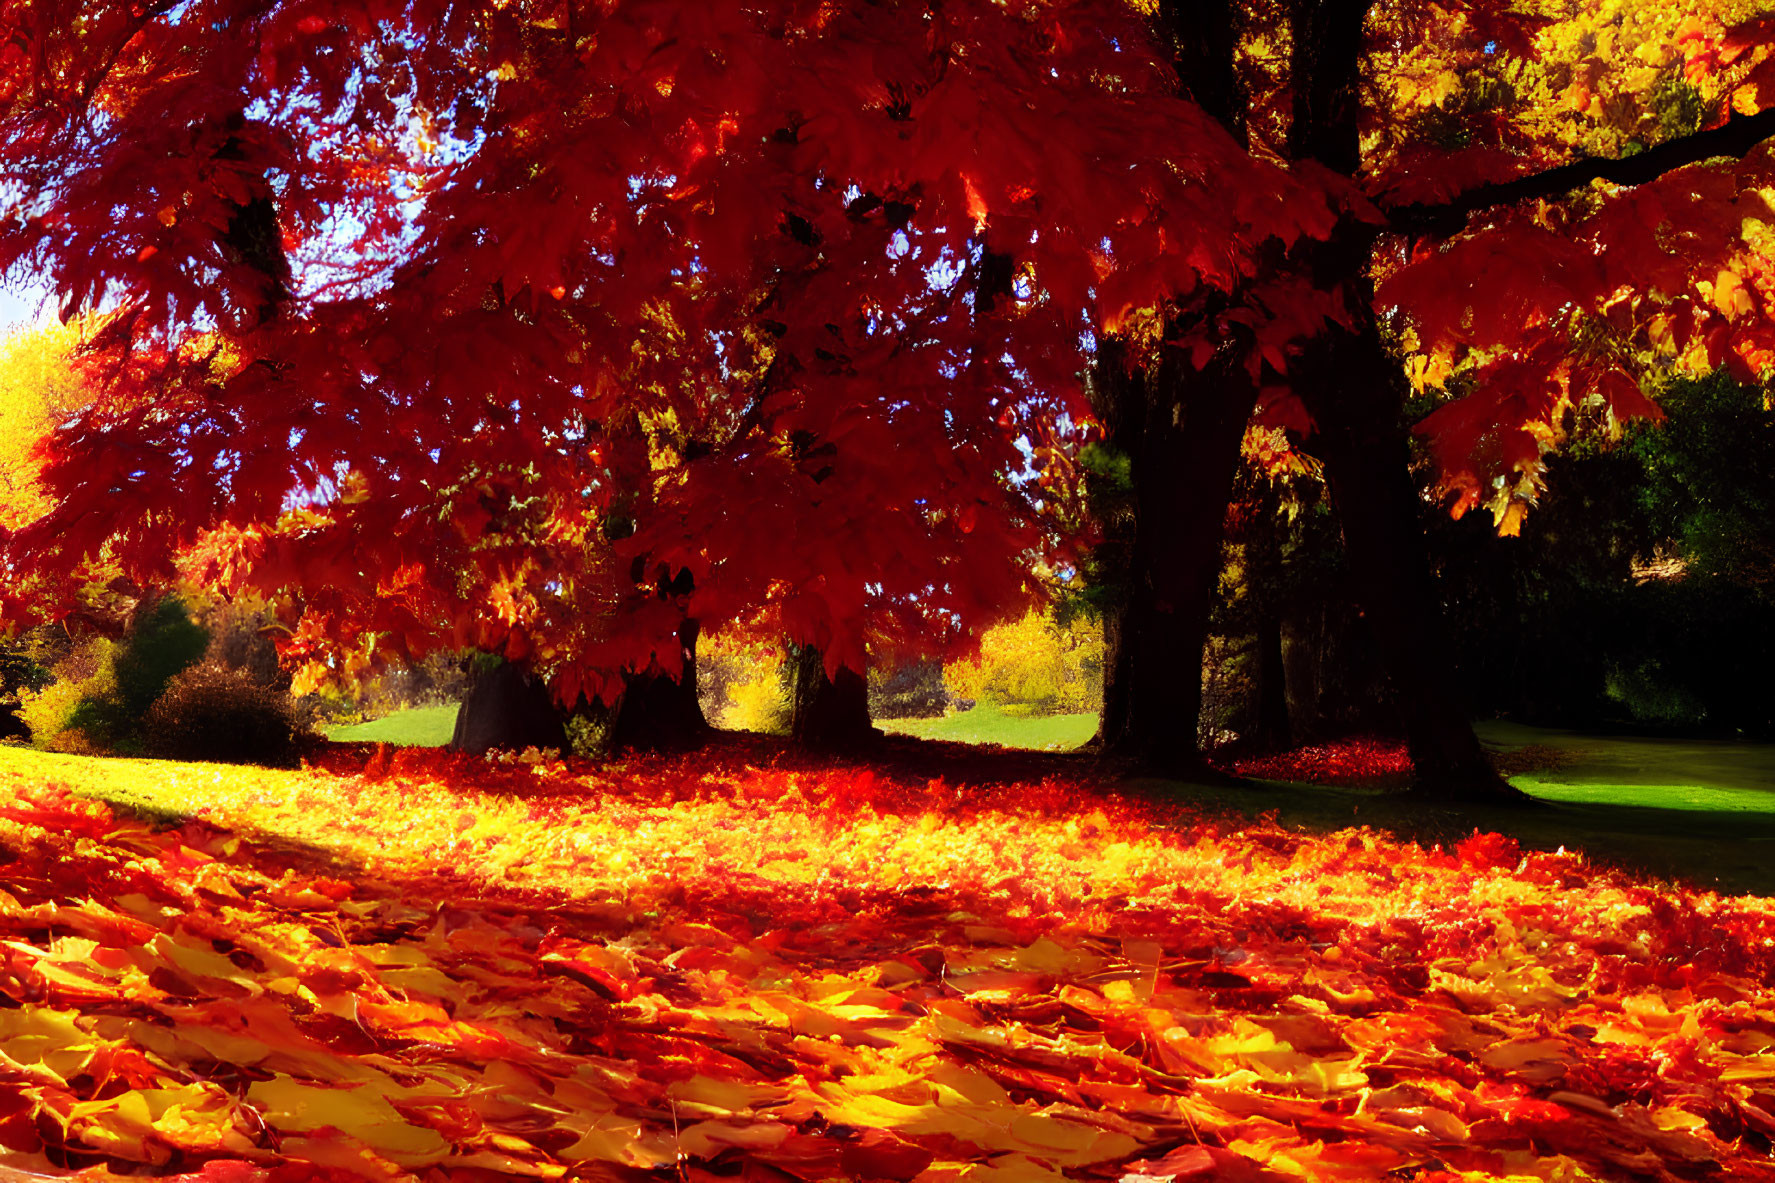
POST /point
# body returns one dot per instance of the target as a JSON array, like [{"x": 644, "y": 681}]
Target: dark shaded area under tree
[
  {"x": 1641, "y": 592},
  {"x": 1639, "y": 596}
]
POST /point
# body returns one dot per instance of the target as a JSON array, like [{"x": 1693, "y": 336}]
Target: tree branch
[{"x": 1735, "y": 137}]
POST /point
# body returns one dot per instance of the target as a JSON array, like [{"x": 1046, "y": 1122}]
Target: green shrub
[
  {"x": 104, "y": 688},
  {"x": 93, "y": 697},
  {"x": 163, "y": 641},
  {"x": 1652, "y": 698},
  {"x": 86, "y": 674},
  {"x": 910, "y": 690},
  {"x": 589, "y": 730},
  {"x": 210, "y": 712},
  {"x": 103, "y": 726}
]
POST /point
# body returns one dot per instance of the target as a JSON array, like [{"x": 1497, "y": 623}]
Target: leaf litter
[{"x": 716, "y": 968}]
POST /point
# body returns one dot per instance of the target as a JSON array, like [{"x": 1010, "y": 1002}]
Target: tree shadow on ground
[
  {"x": 1730, "y": 851},
  {"x": 1674, "y": 811},
  {"x": 1716, "y": 831}
]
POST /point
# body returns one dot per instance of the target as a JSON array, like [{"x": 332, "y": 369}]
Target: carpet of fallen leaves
[
  {"x": 713, "y": 968},
  {"x": 1371, "y": 762}
]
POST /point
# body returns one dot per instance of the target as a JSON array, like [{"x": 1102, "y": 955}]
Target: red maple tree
[{"x": 551, "y": 328}]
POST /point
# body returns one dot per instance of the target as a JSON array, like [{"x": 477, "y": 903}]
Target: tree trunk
[
  {"x": 508, "y": 710},
  {"x": 660, "y": 713},
  {"x": 1180, "y": 430},
  {"x": 1365, "y": 453},
  {"x": 1266, "y": 586},
  {"x": 1355, "y": 390},
  {"x": 830, "y": 714},
  {"x": 1272, "y": 732},
  {"x": 1303, "y": 671}
]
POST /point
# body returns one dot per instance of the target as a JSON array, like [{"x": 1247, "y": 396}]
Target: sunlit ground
[
  {"x": 988, "y": 723},
  {"x": 425, "y": 727},
  {"x": 985, "y": 724},
  {"x": 720, "y": 966}
]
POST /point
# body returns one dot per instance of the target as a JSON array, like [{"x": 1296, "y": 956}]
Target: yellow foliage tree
[
  {"x": 742, "y": 682},
  {"x": 1035, "y": 664},
  {"x": 86, "y": 673},
  {"x": 760, "y": 703},
  {"x": 38, "y": 389}
]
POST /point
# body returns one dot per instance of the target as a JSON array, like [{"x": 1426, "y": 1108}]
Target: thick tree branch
[
  {"x": 1326, "y": 64},
  {"x": 1735, "y": 137}
]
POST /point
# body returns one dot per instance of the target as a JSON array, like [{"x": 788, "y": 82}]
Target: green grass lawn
[
  {"x": 417, "y": 727},
  {"x": 431, "y": 727},
  {"x": 986, "y": 723}
]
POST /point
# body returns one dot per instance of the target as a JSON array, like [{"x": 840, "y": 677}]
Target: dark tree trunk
[
  {"x": 1180, "y": 430},
  {"x": 1355, "y": 390},
  {"x": 660, "y": 713},
  {"x": 1272, "y": 732},
  {"x": 830, "y": 714},
  {"x": 508, "y": 710},
  {"x": 1266, "y": 583},
  {"x": 1349, "y": 383},
  {"x": 1204, "y": 37}
]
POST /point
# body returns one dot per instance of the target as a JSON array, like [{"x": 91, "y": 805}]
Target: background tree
[
  {"x": 39, "y": 389},
  {"x": 1634, "y": 595},
  {"x": 1038, "y": 665},
  {"x": 1421, "y": 109}
]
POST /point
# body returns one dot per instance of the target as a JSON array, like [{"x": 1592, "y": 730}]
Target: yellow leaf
[
  {"x": 706, "y": 1139},
  {"x": 122, "y": 1125},
  {"x": 879, "y": 1113},
  {"x": 143, "y": 1124},
  {"x": 1047, "y": 957},
  {"x": 1674, "y": 1117},
  {"x": 1011, "y": 1168},
  {"x": 712, "y": 1096},
  {"x": 625, "y": 1141},
  {"x": 1535, "y": 1058},
  {"x": 1730, "y": 295},
  {"x": 1069, "y": 1143},
  {"x": 358, "y": 1112},
  {"x": 52, "y": 1038},
  {"x": 202, "y": 966}
]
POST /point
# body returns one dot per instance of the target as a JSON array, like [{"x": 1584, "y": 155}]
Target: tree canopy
[
  {"x": 454, "y": 323},
  {"x": 547, "y": 327}
]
